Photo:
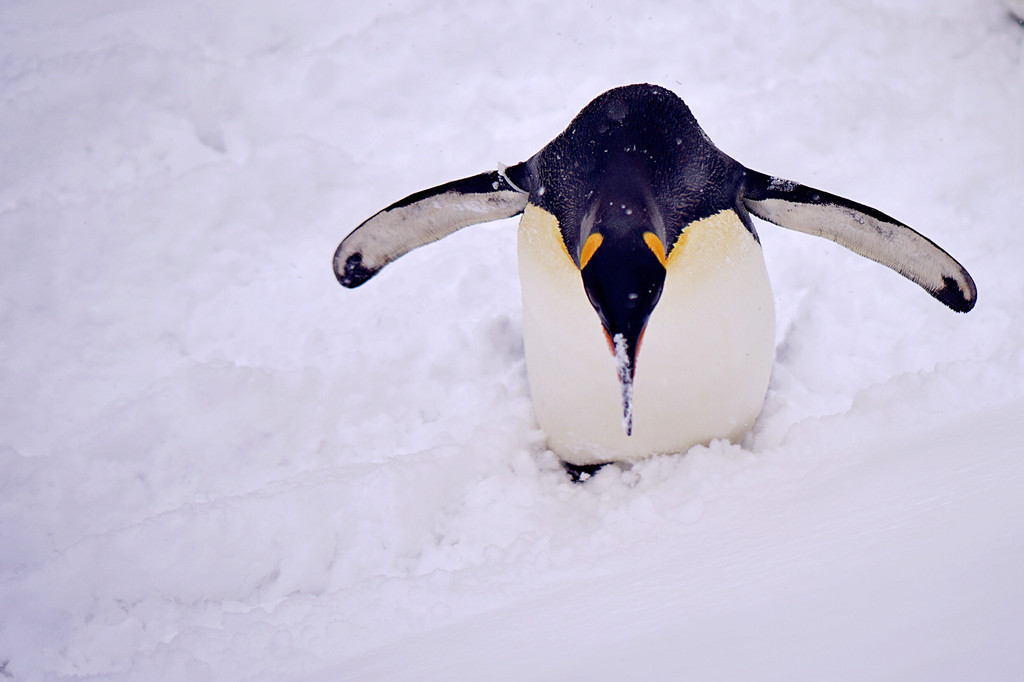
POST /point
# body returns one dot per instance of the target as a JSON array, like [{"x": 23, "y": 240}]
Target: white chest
[{"x": 702, "y": 369}]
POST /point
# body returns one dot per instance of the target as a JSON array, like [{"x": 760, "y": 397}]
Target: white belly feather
[{"x": 702, "y": 369}]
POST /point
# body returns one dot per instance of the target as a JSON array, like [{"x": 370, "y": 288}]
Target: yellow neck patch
[{"x": 709, "y": 240}]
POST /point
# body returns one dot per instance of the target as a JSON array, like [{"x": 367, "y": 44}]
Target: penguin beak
[{"x": 623, "y": 279}]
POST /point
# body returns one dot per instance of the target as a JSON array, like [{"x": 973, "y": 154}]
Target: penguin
[{"x": 648, "y": 316}]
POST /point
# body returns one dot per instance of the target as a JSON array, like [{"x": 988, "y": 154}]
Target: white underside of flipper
[{"x": 702, "y": 369}]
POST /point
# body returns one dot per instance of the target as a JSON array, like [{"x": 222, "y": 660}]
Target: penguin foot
[{"x": 578, "y": 473}]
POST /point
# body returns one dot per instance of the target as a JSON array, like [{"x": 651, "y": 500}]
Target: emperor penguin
[{"x": 648, "y": 317}]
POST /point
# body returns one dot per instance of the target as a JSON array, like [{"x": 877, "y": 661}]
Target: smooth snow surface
[{"x": 217, "y": 464}]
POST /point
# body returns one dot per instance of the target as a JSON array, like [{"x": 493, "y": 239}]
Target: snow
[
  {"x": 216, "y": 463},
  {"x": 623, "y": 370}
]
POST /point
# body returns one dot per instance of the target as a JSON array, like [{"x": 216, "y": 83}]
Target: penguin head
[{"x": 622, "y": 264}]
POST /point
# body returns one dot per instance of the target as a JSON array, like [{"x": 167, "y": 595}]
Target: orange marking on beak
[
  {"x": 589, "y": 247},
  {"x": 656, "y": 247}
]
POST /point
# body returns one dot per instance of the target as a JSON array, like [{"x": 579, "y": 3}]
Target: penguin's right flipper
[
  {"x": 425, "y": 217},
  {"x": 863, "y": 230}
]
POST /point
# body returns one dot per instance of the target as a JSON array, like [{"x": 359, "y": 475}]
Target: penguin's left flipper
[
  {"x": 425, "y": 217},
  {"x": 863, "y": 230}
]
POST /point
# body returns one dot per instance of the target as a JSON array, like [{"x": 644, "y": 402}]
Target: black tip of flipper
[
  {"x": 955, "y": 298},
  {"x": 352, "y": 273}
]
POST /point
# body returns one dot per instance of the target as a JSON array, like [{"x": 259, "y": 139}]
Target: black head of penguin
[
  {"x": 635, "y": 141},
  {"x": 622, "y": 263},
  {"x": 624, "y": 180}
]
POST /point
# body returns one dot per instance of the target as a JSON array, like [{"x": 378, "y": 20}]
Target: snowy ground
[{"x": 217, "y": 464}]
